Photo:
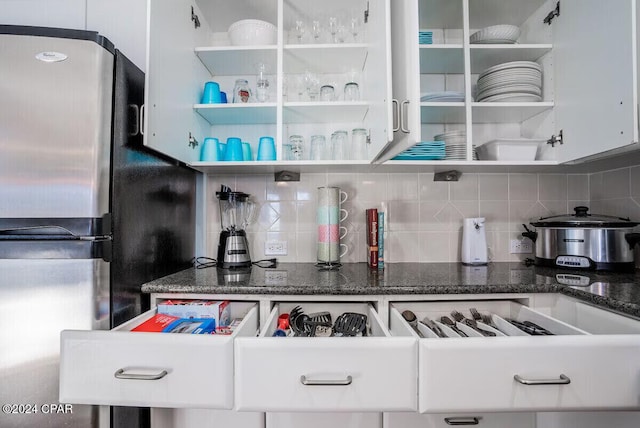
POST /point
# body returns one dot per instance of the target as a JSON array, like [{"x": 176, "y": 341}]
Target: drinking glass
[
  {"x": 266, "y": 149},
  {"x": 318, "y": 148},
  {"x": 262, "y": 84},
  {"x": 359, "y": 141},
  {"x": 312, "y": 83},
  {"x": 209, "y": 151},
  {"x": 333, "y": 28},
  {"x": 294, "y": 148},
  {"x": 351, "y": 92},
  {"x": 316, "y": 30},
  {"x": 233, "y": 151},
  {"x": 241, "y": 91},
  {"x": 338, "y": 149},
  {"x": 327, "y": 93},
  {"x": 354, "y": 27},
  {"x": 299, "y": 30}
]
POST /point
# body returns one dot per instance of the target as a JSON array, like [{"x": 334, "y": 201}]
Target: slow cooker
[{"x": 584, "y": 241}]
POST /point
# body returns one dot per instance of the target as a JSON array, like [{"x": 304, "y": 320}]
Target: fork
[
  {"x": 471, "y": 323},
  {"x": 488, "y": 321},
  {"x": 450, "y": 323}
]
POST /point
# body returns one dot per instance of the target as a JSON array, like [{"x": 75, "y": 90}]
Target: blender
[{"x": 235, "y": 212}]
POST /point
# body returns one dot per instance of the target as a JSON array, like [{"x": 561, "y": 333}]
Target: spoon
[{"x": 411, "y": 318}]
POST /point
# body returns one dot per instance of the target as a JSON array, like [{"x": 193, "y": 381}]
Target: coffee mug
[
  {"x": 233, "y": 151},
  {"x": 331, "y": 233},
  {"x": 331, "y": 215},
  {"x": 332, "y": 196},
  {"x": 331, "y": 252},
  {"x": 209, "y": 151},
  {"x": 211, "y": 93}
]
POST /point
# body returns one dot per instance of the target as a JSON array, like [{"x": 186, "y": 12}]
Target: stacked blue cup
[
  {"x": 211, "y": 93},
  {"x": 266, "y": 149},
  {"x": 210, "y": 151},
  {"x": 233, "y": 152}
]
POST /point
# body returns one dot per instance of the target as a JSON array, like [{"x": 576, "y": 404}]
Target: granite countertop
[{"x": 616, "y": 291}]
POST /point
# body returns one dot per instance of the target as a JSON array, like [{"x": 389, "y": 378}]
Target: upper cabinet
[
  {"x": 567, "y": 76},
  {"x": 324, "y": 67}
]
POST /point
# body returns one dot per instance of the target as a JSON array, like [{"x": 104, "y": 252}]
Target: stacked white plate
[
  {"x": 443, "y": 96},
  {"x": 455, "y": 145},
  {"x": 519, "y": 81},
  {"x": 496, "y": 34}
]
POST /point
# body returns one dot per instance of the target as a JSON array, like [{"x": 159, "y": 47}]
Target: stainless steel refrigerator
[{"x": 86, "y": 213}]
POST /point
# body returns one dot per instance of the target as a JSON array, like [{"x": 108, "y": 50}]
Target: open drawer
[
  {"x": 125, "y": 368},
  {"x": 350, "y": 374},
  {"x": 569, "y": 370}
]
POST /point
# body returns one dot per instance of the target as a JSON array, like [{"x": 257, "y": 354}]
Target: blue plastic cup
[
  {"x": 233, "y": 151},
  {"x": 211, "y": 93},
  {"x": 223, "y": 97},
  {"x": 209, "y": 151},
  {"x": 246, "y": 151},
  {"x": 222, "y": 148},
  {"x": 266, "y": 149}
]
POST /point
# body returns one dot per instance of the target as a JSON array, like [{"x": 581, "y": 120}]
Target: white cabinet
[
  {"x": 588, "y": 75},
  {"x": 481, "y": 420},
  {"x": 44, "y": 13},
  {"x": 525, "y": 373},
  {"x": 189, "y": 45},
  {"x": 343, "y": 374}
]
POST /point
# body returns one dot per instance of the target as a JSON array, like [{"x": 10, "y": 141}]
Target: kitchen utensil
[
  {"x": 474, "y": 242},
  {"x": 529, "y": 329},
  {"x": 450, "y": 323},
  {"x": 318, "y": 324},
  {"x": 433, "y": 326},
  {"x": 236, "y": 211},
  {"x": 350, "y": 324},
  {"x": 297, "y": 321},
  {"x": 412, "y": 320},
  {"x": 471, "y": 323},
  {"x": 266, "y": 149},
  {"x": 585, "y": 241}
]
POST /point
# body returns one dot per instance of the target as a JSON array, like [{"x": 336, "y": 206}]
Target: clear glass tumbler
[
  {"x": 294, "y": 148},
  {"x": 339, "y": 147},
  {"x": 351, "y": 92},
  {"x": 318, "y": 148},
  {"x": 359, "y": 142}
]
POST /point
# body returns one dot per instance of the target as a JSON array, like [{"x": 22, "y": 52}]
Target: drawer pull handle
[
  {"x": 462, "y": 421},
  {"x": 120, "y": 374},
  {"x": 311, "y": 382},
  {"x": 563, "y": 380}
]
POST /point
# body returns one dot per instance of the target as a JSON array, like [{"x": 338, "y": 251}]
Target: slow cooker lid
[{"x": 582, "y": 218}]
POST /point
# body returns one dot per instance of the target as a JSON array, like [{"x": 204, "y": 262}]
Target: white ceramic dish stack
[
  {"x": 496, "y": 34},
  {"x": 517, "y": 81},
  {"x": 455, "y": 145}
]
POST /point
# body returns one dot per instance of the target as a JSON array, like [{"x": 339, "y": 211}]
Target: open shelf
[
  {"x": 435, "y": 112},
  {"x": 507, "y": 112},
  {"x": 325, "y": 58},
  {"x": 485, "y": 56},
  {"x": 236, "y": 60},
  {"x": 241, "y": 114},
  {"x": 325, "y": 112},
  {"x": 441, "y": 59}
]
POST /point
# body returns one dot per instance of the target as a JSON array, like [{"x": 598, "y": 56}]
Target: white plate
[
  {"x": 501, "y": 32},
  {"x": 494, "y": 42},
  {"x": 516, "y": 73},
  {"x": 490, "y": 84},
  {"x": 511, "y": 65},
  {"x": 508, "y": 89},
  {"x": 513, "y": 97}
]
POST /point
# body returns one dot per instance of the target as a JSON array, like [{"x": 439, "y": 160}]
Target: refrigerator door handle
[
  {"x": 141, "y": 117},
  {"x": 134, "y": 120}
]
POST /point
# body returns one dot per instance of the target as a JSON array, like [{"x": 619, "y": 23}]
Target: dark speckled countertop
[{"x": 616, "y": 291}]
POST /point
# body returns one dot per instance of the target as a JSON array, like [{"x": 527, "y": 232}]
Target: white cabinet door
[
  {"x": 323, "y": 420},
  {"x": 406, "y": 77},
  {"x": 141, "y": 369},
  {"x": 480, "y": 420},
  {"x": 595, "y": 86},
  {"x": 174, "y": 80}
]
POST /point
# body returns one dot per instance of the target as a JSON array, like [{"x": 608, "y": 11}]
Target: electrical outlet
[
  {"x": 521, "y": 246},
  {"x": 275, "y": 248}
]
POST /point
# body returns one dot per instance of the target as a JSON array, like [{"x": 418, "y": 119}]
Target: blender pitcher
[{"x": 236, "y": 211}]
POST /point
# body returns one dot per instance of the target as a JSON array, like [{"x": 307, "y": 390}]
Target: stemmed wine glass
[
  {"x": 333, "y": 28},
  {"x": 316, "y": 30},
  {"x": 299, "y": 30},
  {"x": 354, "y": 27}
]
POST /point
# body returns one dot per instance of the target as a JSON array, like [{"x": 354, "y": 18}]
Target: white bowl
[
  {"x": 514, "y": 149},
  {"x": 496, "y": 34},
  {"x": 252, "y": 32}
]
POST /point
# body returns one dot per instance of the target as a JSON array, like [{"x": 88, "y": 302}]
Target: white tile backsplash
[{"x": 423, "y": 217}]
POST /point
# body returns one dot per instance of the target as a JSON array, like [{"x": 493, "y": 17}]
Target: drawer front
[
  {"x": 324, "y": 420},
  {"x": 477, "y": 374},
  {"x": 149, "y": 369},
  {"x": 326, "y": 373},
  {"x": 480, "y": 420}
]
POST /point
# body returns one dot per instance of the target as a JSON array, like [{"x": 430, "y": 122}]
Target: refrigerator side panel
[
  {"x": 55, "y": 122},
  {"x": 38, "y": 299}
]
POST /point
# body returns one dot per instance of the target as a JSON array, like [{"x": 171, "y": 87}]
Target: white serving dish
[
  {"x": 496, "y": 34},
  {"x": 247, "y": 32},
  {"x": 514, "y": 149}
]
